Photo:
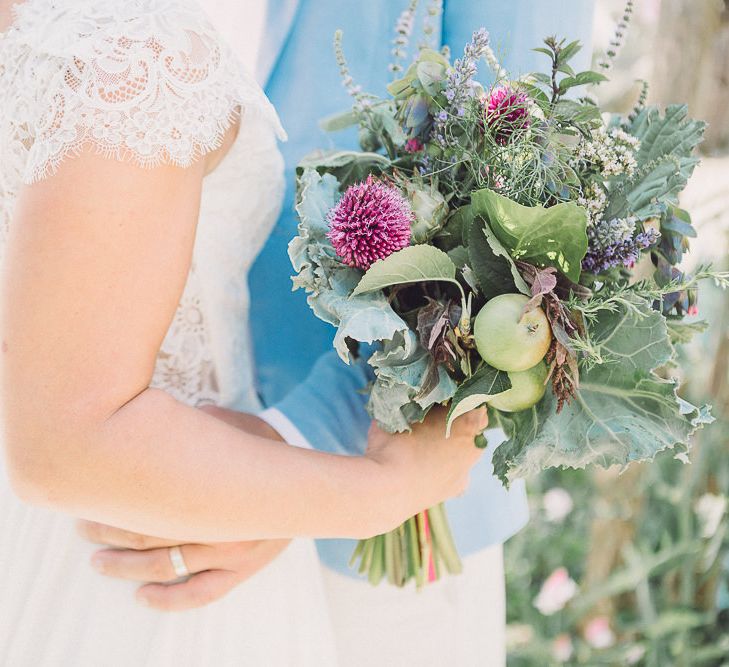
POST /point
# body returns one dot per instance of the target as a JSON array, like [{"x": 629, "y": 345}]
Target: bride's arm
[{"x": 95, "y": 264}]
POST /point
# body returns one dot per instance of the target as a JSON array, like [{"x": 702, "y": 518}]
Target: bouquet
[{"x": 510, "y": 245}]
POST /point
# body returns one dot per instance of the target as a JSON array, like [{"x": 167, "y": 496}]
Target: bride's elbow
[
  {"x": 41, "y": 470},
  {"x": 24, "y": 479}
]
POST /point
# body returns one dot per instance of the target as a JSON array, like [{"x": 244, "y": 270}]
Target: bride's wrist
[{"x": 390, "y": 493}]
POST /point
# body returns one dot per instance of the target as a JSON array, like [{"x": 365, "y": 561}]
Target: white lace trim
[
  {"x": 151, "y": 81},
  {"x": 145, "y": 80}
]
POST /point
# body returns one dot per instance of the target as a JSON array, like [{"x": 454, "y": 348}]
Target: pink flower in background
[
  {"x": 556, "y": 592},
  {"x": 598, "y": 633},
  {"x": 413, "y": 145},
  {"x": 562, "y": 648},
  {"x": 634, "y": 654},
  {"x": 371, "y": 221},
  {"x": 506, "y": 111},
  {"x": 557, "y": 504}
]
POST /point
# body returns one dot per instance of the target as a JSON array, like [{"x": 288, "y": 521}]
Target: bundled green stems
[{"x": 419, "y": 549}]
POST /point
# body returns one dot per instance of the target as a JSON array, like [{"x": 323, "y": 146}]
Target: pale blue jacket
[{"x": 299, "y": 373}]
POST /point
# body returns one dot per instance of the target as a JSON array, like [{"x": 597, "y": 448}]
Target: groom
[
  {"x": 316, "y": 399},
  {"x": 302, "y": 80}
]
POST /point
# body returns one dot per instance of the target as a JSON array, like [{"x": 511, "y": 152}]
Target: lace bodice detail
[{"x": 151, "y": 81}]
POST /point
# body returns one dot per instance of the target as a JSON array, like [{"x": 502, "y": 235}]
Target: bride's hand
[
  {"x": 427, "y": 467},
  {"x": 215, "y": 569}
]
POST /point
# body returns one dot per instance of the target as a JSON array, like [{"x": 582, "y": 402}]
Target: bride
[{"x": 139, "y": 178}]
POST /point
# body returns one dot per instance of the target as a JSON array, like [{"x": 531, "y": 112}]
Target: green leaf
[
  {"x": 486, "y": 383},
  {"x": 366, "y": 318},
  {"x": 673, "y": 134},
  {"x": 500, "y": 251},
  {"x": 649, "y": 195},
  {"x": 565, "y": 69},
  {"x": 339, "y": 121},
  {"x": 407, "y": 383},
  {"x": 539, "y": 96},
  {"x": 665, "y": 163},
  {"x": 459, "y": 223},
  {"x": 541, "y": 77},
  {"x": 494, "y": 273},
  {"x": 569, "y": 111},
  {"x": 679, "y": 222},
  {"x": 431, "y": 75},
  {"x": 310, "y": 251},
  {"x": 383, "y": 120},
  {"x": 553, "y": 236},
  {"x": 568, "y": 52},
  {"x": 546, "y": 52},
  {"x": 347, "y": 166},
  {"x": 404, "y": 86},
  {"x": 459, "y": 256},
  {"x": 682, "y": 332},
  {"x": 415, "y": 264},
  {"x": 581, "y": 79},
  {"x": 623, "y": 411}
]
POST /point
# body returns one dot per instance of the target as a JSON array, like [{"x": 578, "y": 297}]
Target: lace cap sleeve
[{"x": 148, "y": 87}]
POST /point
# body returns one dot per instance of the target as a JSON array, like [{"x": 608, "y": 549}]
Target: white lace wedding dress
[{"x": 149, "y": 81}]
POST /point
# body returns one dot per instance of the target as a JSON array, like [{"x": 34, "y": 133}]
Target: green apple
[
  {"x": 509, "y": 339},
  {"x": 527, "y": 389}
]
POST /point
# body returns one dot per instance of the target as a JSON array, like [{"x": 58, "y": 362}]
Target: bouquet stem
[{"x": 417, "y": 550}]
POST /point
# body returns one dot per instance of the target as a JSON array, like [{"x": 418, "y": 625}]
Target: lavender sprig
[
  {"x": 640, "y": 104},
  {"x": 459, "y": 86},
  {"x": 614, "y": 243},
  {"x": 347, "y": 80},
  {"x": 403, "y": 30},
  {"x": 459, "y": 83},
  {"x": 434, "y": 10},
  {"x": 616, "y": 43}
]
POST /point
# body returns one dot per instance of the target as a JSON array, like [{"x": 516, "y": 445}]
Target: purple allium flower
[
  {"x": 506, "y": 111},
  {"x": 614, "y": 243},
  {"x": 371, "y": 221}
]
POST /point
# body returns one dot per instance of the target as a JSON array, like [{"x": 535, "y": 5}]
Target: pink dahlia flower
[
  {"x": 371, "y": 221},
  {"x": 506, "y": 111}
]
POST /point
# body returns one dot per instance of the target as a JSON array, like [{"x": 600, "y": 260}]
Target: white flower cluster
[
  {"x": 594, "y": 201},
  {"x": 611, "y": 153}
]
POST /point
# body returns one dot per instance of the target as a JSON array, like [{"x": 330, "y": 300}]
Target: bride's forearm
[{"x": 161, "y": 468}]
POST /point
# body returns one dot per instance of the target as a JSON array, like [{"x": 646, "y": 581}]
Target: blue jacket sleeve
[{"x": 328, "y": 408}]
